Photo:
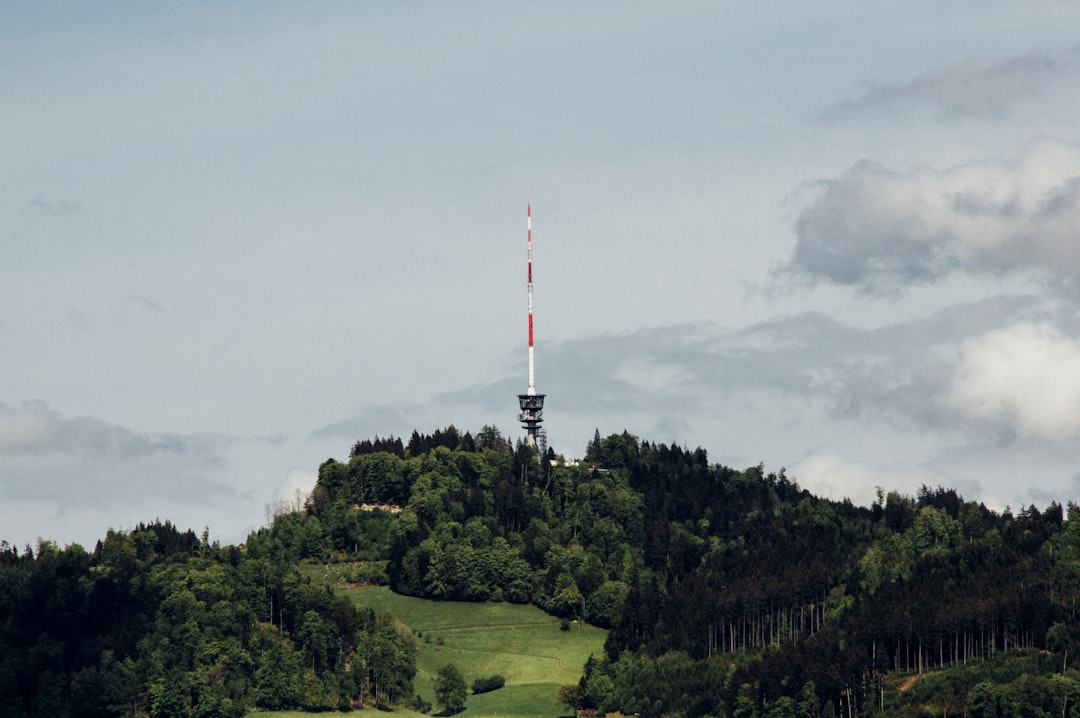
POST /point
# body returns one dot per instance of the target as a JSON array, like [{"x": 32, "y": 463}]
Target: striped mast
[
  {"x": 532, "y": 367},
  {"x": 531, "y": 403}
]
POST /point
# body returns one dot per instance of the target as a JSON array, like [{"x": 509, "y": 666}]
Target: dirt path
[{"x": 908, "y": 683}]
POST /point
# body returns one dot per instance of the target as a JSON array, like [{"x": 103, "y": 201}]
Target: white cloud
[
  {"x": 830, "y": 476},
  {"x": 296, "y": 488},
  {"x": 1025, "y": 377},
  {"x": 882, "y": 230}
]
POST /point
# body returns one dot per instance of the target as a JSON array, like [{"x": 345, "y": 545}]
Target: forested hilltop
[{"x": 727, "y": 592}]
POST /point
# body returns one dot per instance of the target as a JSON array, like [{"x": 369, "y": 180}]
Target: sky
[{"x": 839, "y": 238}]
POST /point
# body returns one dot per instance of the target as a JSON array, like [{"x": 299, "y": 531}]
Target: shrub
[
  {"x": 421, "y": 704},
  {"x": 372, "y": 572},
  {"x": 491, "y": 683}
]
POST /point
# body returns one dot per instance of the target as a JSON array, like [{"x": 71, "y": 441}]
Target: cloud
[
  {"x": 36, "y": 430},
  {"x": 845, "y": 408},
  {"x": 890, "y": 373},
  {"x": 831, "y": 476},
  {"x": 970, "y": 89},
  {"x": 145, "y": 302},
  {"x": 883, "y": 231},
  {"x": 296, "y": 487},
  {"x": 680, "y": 382},
  {"x": 1024, "y": 378},
  {"x": 42, "y": 209},
  {"x": 378, "y": 419},
  {"x": 39, "y": 225},
  {"x": 81, "y": 461}
]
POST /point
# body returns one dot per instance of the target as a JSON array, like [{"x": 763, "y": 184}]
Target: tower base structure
[{"x": 532, "y": 415}]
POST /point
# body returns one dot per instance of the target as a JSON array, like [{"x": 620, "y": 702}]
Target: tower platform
[{"x": 532, "y": 414}]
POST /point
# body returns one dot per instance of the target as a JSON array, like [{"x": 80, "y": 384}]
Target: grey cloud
[
  {"x": 35, "y": 429},
  {"x": 36, "y": 222},
  {"x": 666, "y": 379},
  {"x": 892, "y": 373},
  {"x": 883, "y": 231},
  {"x": 83, "y": 461},
  {"x": 842, "y": 405},
  {"x": 379, "y": 419},
  {"x": 145, "y": 302},
  {"x": 581, "y": 377},
  {"x": 843, "y": 239},
  {"x": 972, "y": 89},
  {"x": 43, "y": 209}
]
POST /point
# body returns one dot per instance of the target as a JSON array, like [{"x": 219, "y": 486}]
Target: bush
[
  {"x": 491, "y": 683},
  {"x": 372, "y": 572},
  {"x": 421, "y": 704}
]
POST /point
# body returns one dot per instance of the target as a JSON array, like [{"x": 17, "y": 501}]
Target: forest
[
  {"x": 727, "y": 592},
  {"x": 159, "y": 622}
]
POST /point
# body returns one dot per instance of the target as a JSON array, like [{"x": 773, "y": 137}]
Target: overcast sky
[{"x": 842, "y": 239}]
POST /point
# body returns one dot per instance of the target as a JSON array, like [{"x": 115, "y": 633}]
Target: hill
[{"x": 726, "y": 592}]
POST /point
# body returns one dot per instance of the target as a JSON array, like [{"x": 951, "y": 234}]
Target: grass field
[
  {"x": 521, "y": 643},
  {"x": 328, "y": 714}
]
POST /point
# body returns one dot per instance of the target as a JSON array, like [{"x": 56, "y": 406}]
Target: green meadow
[
  {"x": 303, "y": 714},
  {"x": 521, "y": 643}
]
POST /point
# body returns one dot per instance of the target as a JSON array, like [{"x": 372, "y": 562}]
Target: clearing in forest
[{"x": 521, "y": 643}]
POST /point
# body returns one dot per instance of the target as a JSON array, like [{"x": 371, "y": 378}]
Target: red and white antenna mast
[
  {"x": 532, "y": 367},
  {"x": 531, "y": 403}
]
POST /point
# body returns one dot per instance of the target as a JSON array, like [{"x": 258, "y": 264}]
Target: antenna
[
  {"x": 531, "y": 403},
  {"x": 532, "y": 361}
]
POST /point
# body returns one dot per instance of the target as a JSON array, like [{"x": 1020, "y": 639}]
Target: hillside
[
  {"x": 727, "y": 592},
  {"x": 724, "y": 589}
]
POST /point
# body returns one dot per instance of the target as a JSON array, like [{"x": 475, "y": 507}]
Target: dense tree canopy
[
  {"x": 738, "y": 588},
  {"x": 727, "y": 592},
  {"x": 158, "y": 622}
]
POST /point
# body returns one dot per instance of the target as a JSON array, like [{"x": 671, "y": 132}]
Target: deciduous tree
[{"x": 450, "y": 689}]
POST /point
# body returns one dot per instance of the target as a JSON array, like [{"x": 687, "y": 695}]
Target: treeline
[
  {"x": 419, "y": 444},
  {"x": 158, "y": 622}
]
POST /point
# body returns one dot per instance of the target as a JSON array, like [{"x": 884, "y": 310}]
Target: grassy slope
[
  {"x": 521, "y": 643},
  {"x": 328, "y": 714}
]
